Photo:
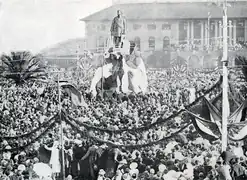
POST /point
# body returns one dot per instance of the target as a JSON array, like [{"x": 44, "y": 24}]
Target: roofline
[
  {"x": 87, "y": 18},
  {"x": 212, "y": 18},
  {"x": 84, "y": 19}
]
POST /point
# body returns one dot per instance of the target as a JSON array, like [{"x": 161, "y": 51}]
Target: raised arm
[
  {"x": 116, "y": 153},
  {"x": 47, "y": 148}
]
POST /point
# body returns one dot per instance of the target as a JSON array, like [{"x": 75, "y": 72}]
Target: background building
[
  {"x": 157, "y": 26},
  {"x": 163, "y": 31}
]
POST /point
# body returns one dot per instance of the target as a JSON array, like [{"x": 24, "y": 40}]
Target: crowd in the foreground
[{"x": 186, "y": 156}]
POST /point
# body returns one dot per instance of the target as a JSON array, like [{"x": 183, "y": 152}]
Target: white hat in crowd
[{"x": 101, "y": 172}]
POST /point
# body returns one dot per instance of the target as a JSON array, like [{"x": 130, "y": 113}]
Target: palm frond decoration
[{"x": 22, "y": 67}]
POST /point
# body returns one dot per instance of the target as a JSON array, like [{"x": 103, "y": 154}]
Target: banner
[
  {"x": 237, "y": 131},
  {"x": 240, "y": 114},
  {"x": 75, "y": 95},
  {"x": 215, "y": 115},
  {"x": 207, "y": 129}
]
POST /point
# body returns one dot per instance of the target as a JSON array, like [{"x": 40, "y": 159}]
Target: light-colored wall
[
  {"x": 245, "y": 30},
  {"x": 92, "y": 33}
]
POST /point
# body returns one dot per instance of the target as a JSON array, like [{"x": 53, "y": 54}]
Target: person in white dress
[{"x": 54, "y": 160}]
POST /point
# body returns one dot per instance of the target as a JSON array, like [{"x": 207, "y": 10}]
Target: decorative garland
[
  {"x": 43, "y": 125},
  {"x": 67, "y": 119},
  {"x": 149, "y": 126},
  {"x": 32, "y": 141},
  {"x": 98, "y": 140}
]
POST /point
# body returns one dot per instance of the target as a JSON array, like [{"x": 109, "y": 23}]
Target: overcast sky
[{"x": 37, "y": 24}]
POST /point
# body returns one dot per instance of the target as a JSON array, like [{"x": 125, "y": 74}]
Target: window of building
[
  {"x": 182, "y": 32},
  {"x": 166, "y": 42},
  {"x": 166, "y": 27},
  {"x": 151, "y": 26},
  {"x": 185, "y": 25},
  {"x": 197, "y": 31},
  {"x": 100, "y": 44},
  {"x": 137, "y": 26},
  {"x": 101, "y": 27},
  {"x": 240, "y": 30},
  {"x": 151, "y": 43},
  {"x": 93, "y": 26},
  {"x": 137, "y": 42}
]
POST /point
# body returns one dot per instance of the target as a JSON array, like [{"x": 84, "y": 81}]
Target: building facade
[{"x": 158, "y": 26}]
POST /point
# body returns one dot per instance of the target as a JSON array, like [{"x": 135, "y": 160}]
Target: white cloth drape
[
  {"x": 192, "y": 94},
  {"x": 54, "y": 160},
  {"x": 139, "y": 79}
]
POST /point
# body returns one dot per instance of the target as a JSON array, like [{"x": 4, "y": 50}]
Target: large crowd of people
[{"x": 185, "y": 156}]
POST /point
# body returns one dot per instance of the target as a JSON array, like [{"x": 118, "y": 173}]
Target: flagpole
[
  {"x": 77, "y": 65},
  {"x": 102, "y": 86},
  {"x": 61, "y": 126},
  {"x": 208, "y": 32},
  {"x": 225, "y": 102}
]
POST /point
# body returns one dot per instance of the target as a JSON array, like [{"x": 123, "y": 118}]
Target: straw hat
[
  {"x": 23, "y": 153},
  {"x": 123, "y": 162},
  {"x": 104, "y": 146},
  {"x": 101, "y": 172},
  {"x": 21, "y": 167},
  {"x": 78, "y": 142},
  {"x": 8, "y": 147},
  {"x": 5, "y": 143}
]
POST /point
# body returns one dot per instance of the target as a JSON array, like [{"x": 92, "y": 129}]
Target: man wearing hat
[
  {"x": 101, "y": 175},
  {"x": 78, "y": 152},
  {"x": 118, "y": 28}
]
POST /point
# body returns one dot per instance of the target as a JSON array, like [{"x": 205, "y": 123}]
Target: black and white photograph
[{"x": 123, "y": 89}]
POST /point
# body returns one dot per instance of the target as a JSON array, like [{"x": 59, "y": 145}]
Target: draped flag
[
  {"x": 179, "y": 64},
  {"x": 75, "y": 95},
  {"x": 239, "y": 114},
  {"x": 237, "y": 131},
  {"x": 209, "y": 126},
  {"x": 207, "y": 129},
  {"x": 214, "y": 114}
]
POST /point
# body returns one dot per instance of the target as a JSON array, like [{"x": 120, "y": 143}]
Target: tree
[{"x": 22, "y": 67}]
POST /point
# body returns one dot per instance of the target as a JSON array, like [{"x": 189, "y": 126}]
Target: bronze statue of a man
[{"x": 118, "y": 29}]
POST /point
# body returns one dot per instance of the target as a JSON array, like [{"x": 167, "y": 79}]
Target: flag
[
  {"x": 237, "y": 131},
  {"x": 215, "y": 115},
  {"x": 237, "y": 128},
  {"x": 179, "y": 64},
  {"x": 237, "y": 116},
  {"x": 207, "y": 129},
  {"x": 75, "y": 95}
]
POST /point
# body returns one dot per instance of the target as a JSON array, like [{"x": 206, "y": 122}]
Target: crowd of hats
[{"x": 140, "y": 119}]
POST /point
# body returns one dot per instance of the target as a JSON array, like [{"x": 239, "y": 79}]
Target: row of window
[
  {"x": 165, "y": 26},
  {"x": 102, "y": 42},
  {"x": 150, "y": 27}
]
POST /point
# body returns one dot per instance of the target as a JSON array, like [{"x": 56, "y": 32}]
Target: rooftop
[{"x": 160, "y": 11}]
